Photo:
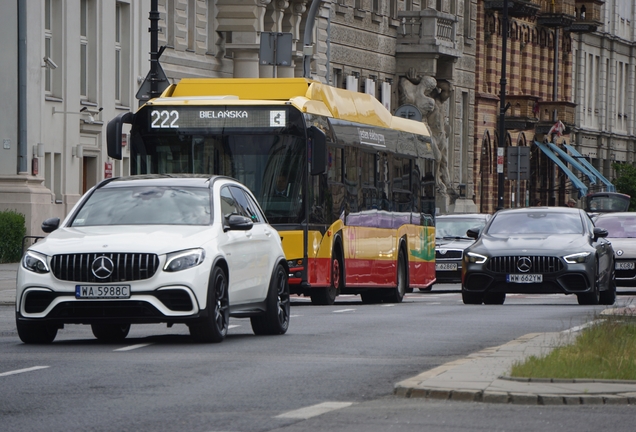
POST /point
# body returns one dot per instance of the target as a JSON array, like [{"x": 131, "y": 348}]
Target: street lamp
[{"x": 502, "y": 109}]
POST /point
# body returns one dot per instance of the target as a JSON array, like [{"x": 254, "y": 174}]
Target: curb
[{"x": 514, "y": 398}]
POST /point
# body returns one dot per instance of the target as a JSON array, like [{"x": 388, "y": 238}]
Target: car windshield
[
  {"x": 618, "y": 227},
  {"x": 456, "y": 228},
  {"x": 536, "y": 223},
  {"x": 145, "y": 205}
]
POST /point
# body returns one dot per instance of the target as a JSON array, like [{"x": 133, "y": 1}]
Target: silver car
[
  {"x": 621, "y": 229},
  {"x": 450, "y": 242}
]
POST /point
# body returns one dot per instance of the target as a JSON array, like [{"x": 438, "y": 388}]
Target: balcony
[
  {"x": 516, "y": 8},
  {"x": 565, "y": 111},
  {"x": 522, "y": 114},
  {"x": 560, "y": 13},
  {"x": 588, "y": 16},
  {"x": 427, "y": 32}
]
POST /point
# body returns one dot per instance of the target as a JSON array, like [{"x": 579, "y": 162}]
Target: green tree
[{"x": 626, "y": 182}]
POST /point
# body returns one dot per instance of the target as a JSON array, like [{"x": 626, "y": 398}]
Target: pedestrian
[
  {"x": 571, "y": 203},
  {"x": 537, "y": 203}
]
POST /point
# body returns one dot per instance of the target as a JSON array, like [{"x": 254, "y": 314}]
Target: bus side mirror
[
  {"x": 113, "y": 134},
  {"x": 318, "y": 151}
]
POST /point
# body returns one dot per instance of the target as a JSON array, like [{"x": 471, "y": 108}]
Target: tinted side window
[
  {"x": 245, "y": 205},
  {"x": 228, "y": 203}
]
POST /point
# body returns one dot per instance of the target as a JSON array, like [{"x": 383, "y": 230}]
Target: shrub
[{"x": 12, "y": 230}]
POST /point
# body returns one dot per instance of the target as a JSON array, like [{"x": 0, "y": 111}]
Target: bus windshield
[{"x": 272, "y": 166}]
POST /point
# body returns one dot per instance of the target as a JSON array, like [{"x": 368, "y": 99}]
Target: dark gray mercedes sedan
[{"x": 539, "y": 250}]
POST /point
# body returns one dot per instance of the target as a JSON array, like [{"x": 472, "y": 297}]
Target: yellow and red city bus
[{"x": 349, "y": 187}]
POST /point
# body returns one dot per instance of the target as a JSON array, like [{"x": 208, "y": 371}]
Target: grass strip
[{"x": 605, "y": 350}]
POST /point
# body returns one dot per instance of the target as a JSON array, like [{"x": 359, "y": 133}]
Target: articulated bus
[{"x": 349, "y": 187}]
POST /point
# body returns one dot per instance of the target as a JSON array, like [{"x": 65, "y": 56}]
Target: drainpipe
[
  {"x": 22, "y": 88},
  {"x": 309, "y": 30}
]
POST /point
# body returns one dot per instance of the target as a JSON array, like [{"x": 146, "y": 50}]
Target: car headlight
[
  {"x": 580, "y": 257},
  {"x": 182, "y": 260},
  {"x": 475, "y": 258},
  {"x": 35, "y": 262}
]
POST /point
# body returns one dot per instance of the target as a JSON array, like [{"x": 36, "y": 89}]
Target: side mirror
[
  {"x": 50, "y": 225},
  {"x": 473, "y": 233},
  {"x": 599, "y": 233},
  {"x": 318, "y": 151},
  {"x": 238, "y": 223},
  {"x": 113, "y": 134}
]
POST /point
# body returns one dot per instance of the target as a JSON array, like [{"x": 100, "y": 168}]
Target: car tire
[
  {"x": 110, "y": 332},
  {"x": 275, "y": 321},
  {"x": 396, "y": 294},
  {"x": 35, "y": 333},
  {"x": 327, "y": 296},
  {"x": 472, "y": 298},
  {"x": 494, "y": 298},
  {"x": 591, "y": 298},
  {"x": 213, "y": 328},
  {"x": 608, "y": 297}
]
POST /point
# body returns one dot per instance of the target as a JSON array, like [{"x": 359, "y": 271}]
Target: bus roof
[{"x": 308, "y": 96}]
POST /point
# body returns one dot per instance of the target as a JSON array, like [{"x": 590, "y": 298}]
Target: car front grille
[
  {"x": 536, "y": 264},
  {"x": 450, "y": 254},
  {"x": 125, "y": 267}
]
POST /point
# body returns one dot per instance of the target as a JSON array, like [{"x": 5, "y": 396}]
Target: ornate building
[
  {"x": 569, "y": 61},
  {"x": 81, "y": 62}
]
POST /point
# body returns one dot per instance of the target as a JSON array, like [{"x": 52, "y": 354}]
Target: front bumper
[{"x": 574, "y": 279}]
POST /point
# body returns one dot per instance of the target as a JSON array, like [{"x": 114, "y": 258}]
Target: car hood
[
  {"x": 159, "y": 239},
  {"x": 627, "y": 245},
  {"x": 453, "y": 243},
  {"x": 544, "y": 244}
]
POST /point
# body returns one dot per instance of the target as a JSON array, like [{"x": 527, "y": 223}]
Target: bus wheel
[
  {"x": 327, "y": 296},
  {"x": 397, "y": 293}
]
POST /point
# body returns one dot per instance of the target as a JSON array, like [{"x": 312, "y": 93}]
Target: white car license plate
[
  {"x": 625, "y": 265},
  {"x": 446, "y": 266},
  {"x": 524, "y": 278},
  {"x": 102, "y": 291}
]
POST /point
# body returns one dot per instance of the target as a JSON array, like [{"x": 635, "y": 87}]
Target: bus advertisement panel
[{"x": 349, "y": 187}]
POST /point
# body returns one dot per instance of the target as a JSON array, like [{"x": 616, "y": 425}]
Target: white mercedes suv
[{"x": 155, "y": 249}]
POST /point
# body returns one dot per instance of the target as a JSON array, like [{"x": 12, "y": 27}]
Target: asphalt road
[{"x": 341, "y": 361}]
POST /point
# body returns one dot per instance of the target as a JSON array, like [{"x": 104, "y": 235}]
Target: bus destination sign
[{"x": 205, "y": 117}]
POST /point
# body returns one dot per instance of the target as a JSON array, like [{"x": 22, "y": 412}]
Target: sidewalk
[
  {"x": 7, "y": 283},
  {"x": 482, "y": 377}
]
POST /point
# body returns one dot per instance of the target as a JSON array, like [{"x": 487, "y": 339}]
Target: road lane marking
[
  {"x": 343, "y": 310},
  {"x": 388, "y": 305},
  {"x": 314, "y": 410},
  {"x": 295, "y": 316},
  {"x": 19, "y": 371},
  {"x": 132, "y": 347},
  {"x": 233, "y": 326}
]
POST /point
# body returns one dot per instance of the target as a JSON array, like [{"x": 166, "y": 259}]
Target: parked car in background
[
  {"x": 621, "y": 229},
  {"x": 155, "y": 249},
  {"x": 451, "y": 240},
  {"x": 539, "y": 250}
]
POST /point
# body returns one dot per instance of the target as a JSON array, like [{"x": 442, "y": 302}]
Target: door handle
[
  {"x": 268, "y": 233},
  {"x": 248, "y": 234}
]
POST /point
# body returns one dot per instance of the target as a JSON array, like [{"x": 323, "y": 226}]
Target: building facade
[
  {"x": 75, "y": 65},
  {"x": 604, "y": 72},
  {"x": 81, "y": 63},
  {"x": 570, "y": 61}
]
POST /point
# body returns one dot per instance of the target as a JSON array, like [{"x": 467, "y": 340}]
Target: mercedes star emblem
[
  {"x": 619, "y": 252},
  {"x": 524, "y": 264},
  {"x": 102, "y": 267}
]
